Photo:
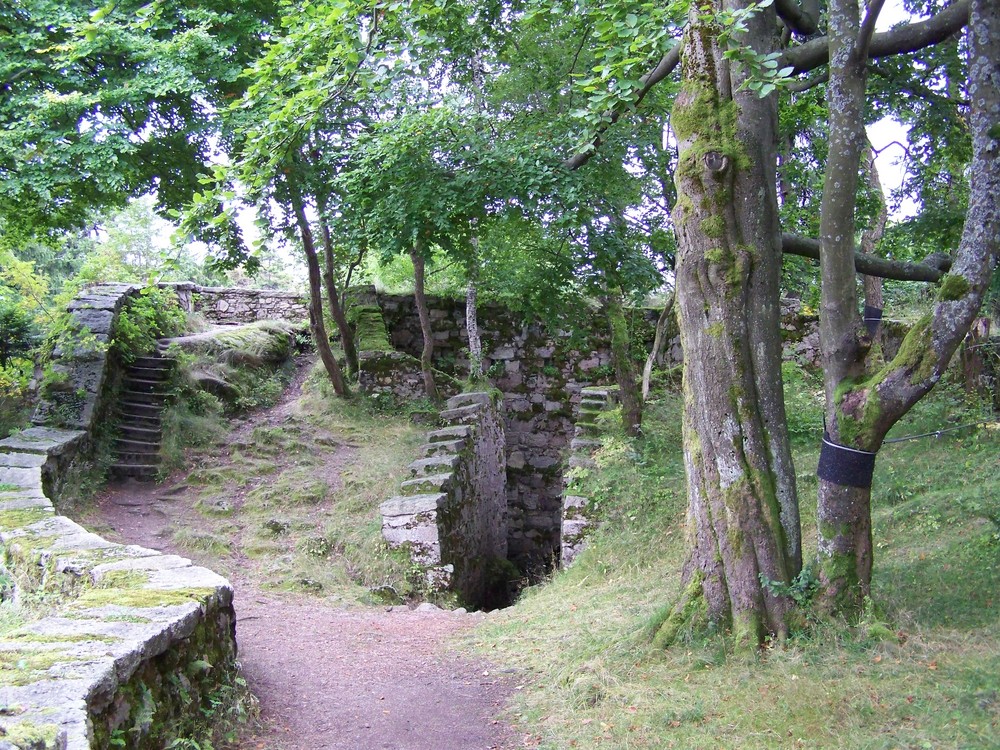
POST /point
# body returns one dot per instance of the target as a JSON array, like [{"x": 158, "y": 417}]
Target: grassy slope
[
  {"x": 921, "y": 670},
  {"x": 291, "y": 499}
]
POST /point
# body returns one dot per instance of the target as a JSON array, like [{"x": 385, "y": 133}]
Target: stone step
[
  {"x": 467, "y": 399},
  {"x": 412, "y": 504},
  {"x": 128, "y": 458},
  {"x": 442, "y": 448},
  {"x": 454, "y": 432},
  {"x": 426, "y": 467},
  {"x": 149, "y": 373},
  {"x": 144, "y": 386},
  {"x": 581, "y": 462},
  {"x": 144, "y": 473},
  {"x": 131, "y": 431},
  {"x": 584, "y": 444},
  {"x": 154, "y": 363},
  {"x": 140, "y": 397},
  {"x": 462, "y": 414},
  {"x": 141, "y": 422},
  {"x": 598, "y": 391},
  {"x": 427, "y": 485},
  {"x": 591, "y": 405},
  {"x": 587, "y": 429},
  {"x": 124, "y": 445}
]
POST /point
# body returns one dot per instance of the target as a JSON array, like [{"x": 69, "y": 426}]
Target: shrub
[{"x": 150, "y": 315}]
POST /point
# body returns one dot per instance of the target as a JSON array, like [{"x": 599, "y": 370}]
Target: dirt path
[{"x": 329, "y": 676}]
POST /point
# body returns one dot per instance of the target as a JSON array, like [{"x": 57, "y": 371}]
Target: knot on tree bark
[{"x": 716, "y": 161}]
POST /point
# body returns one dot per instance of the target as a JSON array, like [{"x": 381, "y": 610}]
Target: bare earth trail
[{"x": 327, "y": 676}]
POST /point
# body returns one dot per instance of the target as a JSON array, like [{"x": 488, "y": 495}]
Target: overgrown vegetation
[
  {"x": 919, "y": 668},
  {"x": 152, "y": 314}
]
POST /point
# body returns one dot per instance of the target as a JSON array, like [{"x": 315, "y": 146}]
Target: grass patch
[
  {"x": 296, "y": 496},
  {"x": 921, "y": 669}
]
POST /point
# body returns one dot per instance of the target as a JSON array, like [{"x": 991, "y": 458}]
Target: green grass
[
  {"x": 920, "y": 670},
  {"x": 297, "y": 499}
]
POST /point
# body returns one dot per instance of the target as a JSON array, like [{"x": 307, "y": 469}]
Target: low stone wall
[
  {"x": 135, "y": 641},
  {"x": 226, "y": 306},
  {"x": 452, "y": 516}
]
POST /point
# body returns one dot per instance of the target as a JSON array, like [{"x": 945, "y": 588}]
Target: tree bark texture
[
  {"x": 743, "y": 522},
  {"x": 316, "y": 324},
  {"x": 621, "y": 358},
  {"x": 427, "y": 352},
  {"x": 337, "y": 311},
  {"x": 864, "y": 400}
]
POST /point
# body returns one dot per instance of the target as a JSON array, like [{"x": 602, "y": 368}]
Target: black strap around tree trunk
[{"x": 843, "y": 465}]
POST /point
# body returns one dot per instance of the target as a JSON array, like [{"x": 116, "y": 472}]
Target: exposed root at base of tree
[{"x": 689, "y": 614}]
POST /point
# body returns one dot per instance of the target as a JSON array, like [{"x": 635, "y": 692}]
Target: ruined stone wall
[
  {"x": 452, "y": 515},
  {"x": 540, "y": 377},
  {"x": 226, "y": 306},
  {"x": 126, "y": 620}
]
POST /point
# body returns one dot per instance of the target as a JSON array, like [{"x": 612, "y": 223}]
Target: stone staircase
[
  {"x": 576, "y": 521},
  {"x": 144, "y": 393}
]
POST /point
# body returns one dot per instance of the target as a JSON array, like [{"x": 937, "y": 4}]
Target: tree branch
[
  {"x": 909, "y": 38},
  {"x": 868, "y": 27},
  {"x": 931, "y": 269},
  {"x": 800, "y": 18},
  {"x": 663, "y": 68}
]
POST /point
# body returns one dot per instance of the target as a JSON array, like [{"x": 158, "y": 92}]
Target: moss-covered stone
[
  {"x": 16, "y": 519},
  {"x": 27, "y": 735}
]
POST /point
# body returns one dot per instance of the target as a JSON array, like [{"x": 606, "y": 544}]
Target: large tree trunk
[
  {"x": 316, "y": 324},
  {"x": 659, "y": 342},
  {"x": 427, "y": 353},
  {"x": 621, "y": 359},
  {"x": 743, "y": 523},
  {"x": 864, "y": 399},
  {"x": 337, "y": 311}
]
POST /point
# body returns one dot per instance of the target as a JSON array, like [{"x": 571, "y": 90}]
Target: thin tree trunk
[
  {"x": 621, "y": 358},
  {"x": 337, "y": 311},
  {"x": 743, "y": 523},
  {"x": 472, "y": 316},
  {"x": 316, "y": 324},
  {"x": 863, "y": 404},
  {"x": 427, "y": 353},
  {"x": 869, "y": 242},
  {"x": 659, "y": 342}
]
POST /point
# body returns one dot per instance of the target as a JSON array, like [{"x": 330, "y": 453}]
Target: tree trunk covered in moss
[
  {"x": 427, "y": 352},
  {"x": 743, "y": 522},
  {"x": 864, "y": 397},
  {"x": 621, "y": 359},
  {"x": 316, "y": 324},
  {"x": 337, "y": 311}
]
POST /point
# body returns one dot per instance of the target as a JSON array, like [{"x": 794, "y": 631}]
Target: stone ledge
[{"x": 131, "y": 605}]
